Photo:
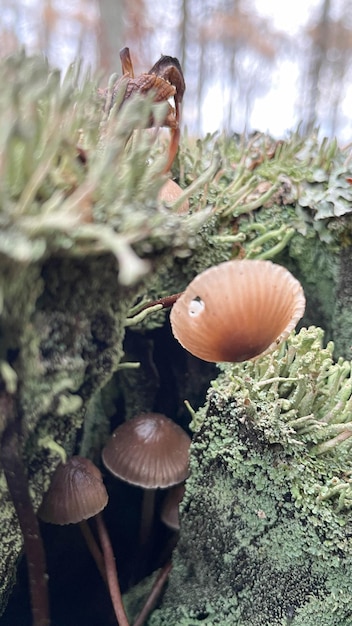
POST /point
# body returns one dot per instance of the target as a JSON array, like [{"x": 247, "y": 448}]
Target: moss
[{"x": 266, "y": 515}]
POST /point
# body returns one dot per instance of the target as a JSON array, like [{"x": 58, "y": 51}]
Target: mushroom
[
  {"x": 237, "y": 310},
  {"x": 76, "y": 493},
  {"x": 170, "y": 508},
  {"x": 169, "y": 515},
  {"x": 149, "y": 451},
  {"x": 170, "y": 192}
]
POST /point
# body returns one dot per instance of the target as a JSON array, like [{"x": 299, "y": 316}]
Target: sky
[
  {"x": 287, "y": 15},
  {"x": 275, "y": 112}
]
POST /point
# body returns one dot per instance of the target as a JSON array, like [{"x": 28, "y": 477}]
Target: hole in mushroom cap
[
  {"x": 196, "y": 307},
  {"x": 237, "y": 310}
]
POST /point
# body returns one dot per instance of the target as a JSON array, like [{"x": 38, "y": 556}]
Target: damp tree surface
[{"x": 86, "y": 244}]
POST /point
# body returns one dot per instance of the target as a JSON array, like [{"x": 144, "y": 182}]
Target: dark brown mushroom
[
  {"x": 77, "y": 493},
  {"x": 170, "y": 192},
  {"x": 149, "y": 451},
  {"x": 237, "y": 310}
]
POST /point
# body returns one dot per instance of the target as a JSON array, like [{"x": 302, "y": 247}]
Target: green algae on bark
[{"x": 266, "y": 528}]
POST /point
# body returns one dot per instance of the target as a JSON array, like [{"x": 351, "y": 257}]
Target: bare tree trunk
[
  {"x": 183, "y": 32},
  {"x": 319, "y": 51},
  {"x": 111, "y": 35},
  {"x": 200, "y": 84},
  {"x": 232, "y": 90}
]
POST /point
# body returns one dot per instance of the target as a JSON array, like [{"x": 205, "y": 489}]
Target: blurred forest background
[{"x": 263, "y": 65}]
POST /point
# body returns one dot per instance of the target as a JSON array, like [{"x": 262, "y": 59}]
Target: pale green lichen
[
  {"x": 265, "y": 521},
  {"x": 75, "y": 181}
]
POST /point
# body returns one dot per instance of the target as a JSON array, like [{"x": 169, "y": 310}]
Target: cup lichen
[{"x": 265, "y": 520}]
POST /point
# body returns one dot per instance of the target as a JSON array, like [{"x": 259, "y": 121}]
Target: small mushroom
[
  {"x": 170, "y": 516},
  {"x": 149, "y": 451},
  {"x": 170, "y": 192},
  {"x": 237, "y": 310},
  {"x": 76, "y": 493},
  {"x": 170, "y": 508}
]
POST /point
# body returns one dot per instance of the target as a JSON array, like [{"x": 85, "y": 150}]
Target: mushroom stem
[
  {"x": 147, "y": 516},
  {"x": 154, "y": 594},
  {"x": 167, "y": 301},
  {"x": 17, "y": 482},
  {"x": 93, "y": 548},
  {"x": 111, "y": 572}
]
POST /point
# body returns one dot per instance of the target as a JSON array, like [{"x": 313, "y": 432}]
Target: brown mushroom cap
[
  {"x": 237, "y": 310},
  {"x": 170, "y": 192},
  {"x": 149, "y": 451},
  {"x": 76, "y": 492}
]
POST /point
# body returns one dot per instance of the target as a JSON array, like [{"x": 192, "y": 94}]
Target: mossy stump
[{"x": 266, "y": 527}]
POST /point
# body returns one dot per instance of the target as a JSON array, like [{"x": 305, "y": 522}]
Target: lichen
[
  {"x": 265, "y": 521},
  {"x": 269, "y": 201},
  {"x": 83, "y": 238},
  {"x": 82, "y": 233}
]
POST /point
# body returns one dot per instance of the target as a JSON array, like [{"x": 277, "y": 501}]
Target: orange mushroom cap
[
  {"x": 76, "y": 493},
  {"x": 237, "y": 310},
  {"x": 170, "y": 192},
  {"x": 149, "y": 450}
]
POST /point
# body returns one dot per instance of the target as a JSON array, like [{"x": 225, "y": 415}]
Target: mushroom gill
[{"x": 237, "y": 310}]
